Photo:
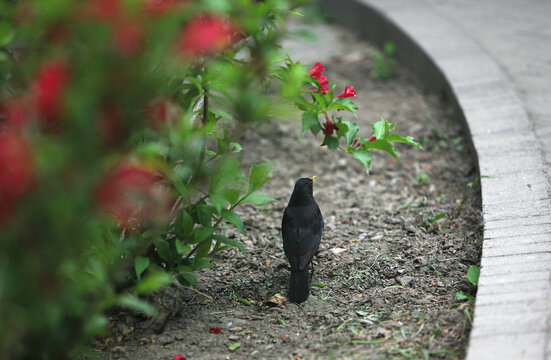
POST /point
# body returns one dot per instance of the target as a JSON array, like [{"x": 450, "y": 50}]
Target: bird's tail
[{"x": 300, "y": 286}]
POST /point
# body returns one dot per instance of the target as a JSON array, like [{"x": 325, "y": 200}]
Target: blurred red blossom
[
  {"x": 316, "y": 70},
  {"x": 206, "y": 34},
  {"x": 316, "y": 73},
  {"x": 215, "y": 330},
  {"x": 17, "y": 112},
  {"x": 131, "y": 193},
  {"x": 161, "y": 111},
  {"x": 104, "y": 9},
  {"x": 48, "y": 87},
  {"x": 17, "y": 173},
  {"x": 111, "y": 125},
  {"x": 329, "y": 127},
  {"x": 128, "y": 38},
  {"x": 180, "y": 357},
  {"x": 348, "y": 92},
  {"x": 161, "y": 7},
  {"x": 373, "y": 139}
]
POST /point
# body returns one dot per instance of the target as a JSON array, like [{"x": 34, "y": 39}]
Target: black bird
[{"x": 301, "y": 229}]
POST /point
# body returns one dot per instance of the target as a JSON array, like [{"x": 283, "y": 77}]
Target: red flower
[
  {"x": 161, "y": 111},
  {"x": 128, "y": 39},
  {"x": 348, "y": 92},
  {"x": 124, "y": 193},
  {"x": 48, "y": 89},
  {"x": 111, "y": 125},
  {"x": 180, "y": 357},
  {"x": 104, "y": 9},
  {"x": 329, "y": 127},
  {"x": 316, "y": 70},
  {"x": 206, "y": 34},
  {"x": 316, "y": 73},
  {"x": 373, "y": 139},
  {"x": 18, "y": 113},
  {"x": 16, "y": 171},
  {"x": 215, "y": 330},
  {"x": 160, "y": 7}
]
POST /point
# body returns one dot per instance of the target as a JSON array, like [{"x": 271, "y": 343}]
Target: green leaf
[
  {"x": 310, "y": 122},
  {"x": 331, "y": 142},
  {"x": 320, "y": 99},
  {"x": 260, "y": 175},
  {"x": 204, "y": 214},
  {"x": 232, "y": 243},
  {"x": 6, "y": 33},
  {"x": 132, "y": 302},
  {"x": 234, "y": 346},
  {"x": 381, "y": 129},
  {"x": 96, "y": 325},
  {"x": 472, "y": 274},
  {"x": 153, "y": 282},
  {"x": 281, "y": 321},
  {"x": 187, "y": 223},
  {"x": 407, "y": 140},
  {"x": 231, "y": 195},
  {"x": 437, "y": 217},
  {"x": 318, "y": 284},
  {"x": 257, "y": 198},
  {"x": 163, "y": 249},
  {"x": 140, "y": 264},
  {"x": 236, "y": 147},
  {"x": 186, "y": 275},
  {"x": 202, "y": 264},
  {"x": 363, "y": 156},
  {"x": 343, "y": 104},
  {"x": 382, "y": 145},
  {"x": 353, "y": 129},
  {"x": 234, "y": 219},
  {"x": 202, "y": 233},
  {"x": 181, "y": 248},
  {"x": 244, "y": 301},
  {"x": 203, "y": 248}
]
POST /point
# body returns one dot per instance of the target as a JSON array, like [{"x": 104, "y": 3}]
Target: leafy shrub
[{"x": 117, "y": 165}]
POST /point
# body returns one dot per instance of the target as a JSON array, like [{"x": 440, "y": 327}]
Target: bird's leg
[{"x": 311, "y": 270}]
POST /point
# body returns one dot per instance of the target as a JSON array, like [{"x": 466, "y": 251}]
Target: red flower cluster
[
  {"x": 128, "y": 194},
  {"x": 48, "y": 89},
  {"x": 329, "y": 127},
  {"x": 316, "y": 73},
  {"x": 206, "y": 34},
  {"x": 44, "y": 102},
  {"x": 161, "y": 7},
  {"x": 128, "y": 38},
  {"x": 180, "y": 357},
  {"x": 215, "y": 330},
  {"x": 17, "y": 172},
  {"x": 161, "y": 111},
  {"x": 348, "y": 92}
]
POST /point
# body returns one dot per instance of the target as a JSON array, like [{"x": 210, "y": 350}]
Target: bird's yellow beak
[{"x": 314, "y": 178}]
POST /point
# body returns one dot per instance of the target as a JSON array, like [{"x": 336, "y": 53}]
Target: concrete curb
[{"x": 513, "y": 307}]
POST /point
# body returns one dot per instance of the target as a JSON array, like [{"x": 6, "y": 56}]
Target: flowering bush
[{"x": 117, "y": 168}]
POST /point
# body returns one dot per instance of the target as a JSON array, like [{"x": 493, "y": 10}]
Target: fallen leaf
[
  {"x": 234, "y": 346},
  {"x": 337, "y": 250},
  {"x": 277, "y": 299}
]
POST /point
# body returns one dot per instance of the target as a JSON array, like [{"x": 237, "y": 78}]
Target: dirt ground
[{"x": 390, "y": 270}]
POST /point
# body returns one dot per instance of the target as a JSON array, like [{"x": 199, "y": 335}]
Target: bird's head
[{"x": 304, "y": 191}]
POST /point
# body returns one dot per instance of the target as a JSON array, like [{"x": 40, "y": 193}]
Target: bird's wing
[{"x": 301, "y": 231}]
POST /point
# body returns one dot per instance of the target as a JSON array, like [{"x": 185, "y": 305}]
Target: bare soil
[{"x": 390, "y": 270}]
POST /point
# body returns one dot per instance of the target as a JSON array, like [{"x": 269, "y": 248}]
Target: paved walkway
[{"x": 492, "y": 59}]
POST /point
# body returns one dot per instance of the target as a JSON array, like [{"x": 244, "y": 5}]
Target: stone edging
[{"x": 513, "y": 303}]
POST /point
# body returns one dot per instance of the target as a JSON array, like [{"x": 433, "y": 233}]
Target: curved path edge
[{"x": 513, "y": 303}]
